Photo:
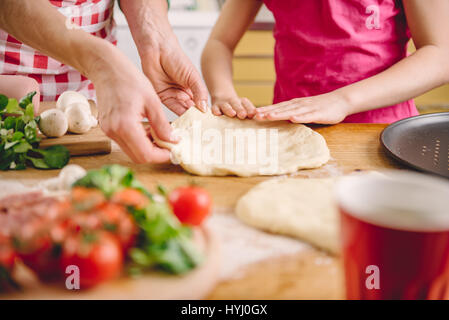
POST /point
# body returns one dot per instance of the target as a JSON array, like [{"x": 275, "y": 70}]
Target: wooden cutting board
[{"x": 92, "y": 142}]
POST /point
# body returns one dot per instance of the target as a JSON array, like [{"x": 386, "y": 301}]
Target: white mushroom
[
  {"x": 79, "y": 120},
  {"x": 70, "y": 97},
  {"x": 69, "y": 174},
  {"x": 52, "y": 184},
  {"x": 53, "y": 123},
  {"x": 62, "y": 184}
]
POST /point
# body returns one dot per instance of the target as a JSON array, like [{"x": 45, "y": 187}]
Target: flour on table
[
  {"x": 243, "y": 245},
  {"x": 220, "y": 146}
]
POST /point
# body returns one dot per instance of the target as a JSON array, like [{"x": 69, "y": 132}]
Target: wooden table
[{"x": 353, "y": 147}]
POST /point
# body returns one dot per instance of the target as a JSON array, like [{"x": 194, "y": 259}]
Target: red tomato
[
  {"x": 87, "y": 198},
  {"x": 99, "y": 259},
  {"x": 130, "y": 197},
  {"x": 190, "y": 204},
  {"x": 42, "y": 256},
  {"x": 7, "y": 253},
  {"x": 7, "y": 260},
  {"x": 117, "y": 220}
]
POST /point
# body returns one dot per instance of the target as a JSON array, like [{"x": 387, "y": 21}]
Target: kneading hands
[{"x": 125, "y": 95}]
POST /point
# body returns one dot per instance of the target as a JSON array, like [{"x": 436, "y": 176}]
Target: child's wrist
[{"x": 349, "y": 100}]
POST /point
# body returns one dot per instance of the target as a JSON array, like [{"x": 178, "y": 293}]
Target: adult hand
[
  {"x": 329, "y": 108},
  {"x": 175, "y": 79},
  {"x": 125, "y": 96}
]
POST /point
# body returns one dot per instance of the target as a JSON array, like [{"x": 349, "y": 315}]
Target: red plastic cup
[{"x": 395, "y": 235}]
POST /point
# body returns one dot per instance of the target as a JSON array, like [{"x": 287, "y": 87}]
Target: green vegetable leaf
[
  {"x": 20, "y": 161},
  {"x": 140, "y": 257},
  {"x": 19, "y": 141},
  {"x": 30, "y": 131},
  {"x": 38, "y": 163},
  {"x": 10, "y": 123},
  {"x": 110, "y": 179},
  {"x": 13, "y": 107},
  {"x": 17, "y": 136},
  {"x": 56, "y": 157},
  {"x": 28, "y": 99},
  {"x": 3, "y": 102},
  {"x": 20, "y": 125},
  {"x": 22, "y": 147},
  {"x": 29, "y": 113},
  {"x": 6, "y": 157},
  {"x": 164, "y": 240},
  {"x": 10, "y": 144}
]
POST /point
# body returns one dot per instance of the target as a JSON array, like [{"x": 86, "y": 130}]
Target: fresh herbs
[
  {"x": 111, "y": 179},
  {"x": 163, "y": 242},
  {"x": 19, "y": 141}
]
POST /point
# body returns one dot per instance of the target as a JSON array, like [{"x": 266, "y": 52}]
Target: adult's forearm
[
  {"x": 39, "y": 25},
  {"x": 216, "y": 63},
  {"x": 148, "y": 22},
  {"x": 426, "y": 69}
]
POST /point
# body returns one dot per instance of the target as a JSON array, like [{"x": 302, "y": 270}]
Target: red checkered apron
[{"x": 16, "y": 58}]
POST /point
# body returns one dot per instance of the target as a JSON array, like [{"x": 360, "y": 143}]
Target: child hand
[
  {"x": 329, "y": 108},
  {"x": 235, "y": 106}
]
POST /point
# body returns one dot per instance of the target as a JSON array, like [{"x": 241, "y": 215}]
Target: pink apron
[
  {"x": 323, "y": 45},
  {"x": 93, "y": 16}
]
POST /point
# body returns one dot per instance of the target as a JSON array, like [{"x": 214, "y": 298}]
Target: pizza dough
[
  {"x": 301, "y": 208},
  {"x": 220, "y": 146}
]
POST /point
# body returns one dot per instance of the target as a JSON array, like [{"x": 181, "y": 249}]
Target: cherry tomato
[
  {"x": 190, "y": 204},
  {"x": 130, "y": 197},
  {"x": 7, "y": 260},
  {"x": 87, "y": 198},
  {"x": 7, "y": 253},
  {"x": 97, "y": 255},
  {"x": 42, "y": 256},
  {"x": 117, "y": 220}
]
